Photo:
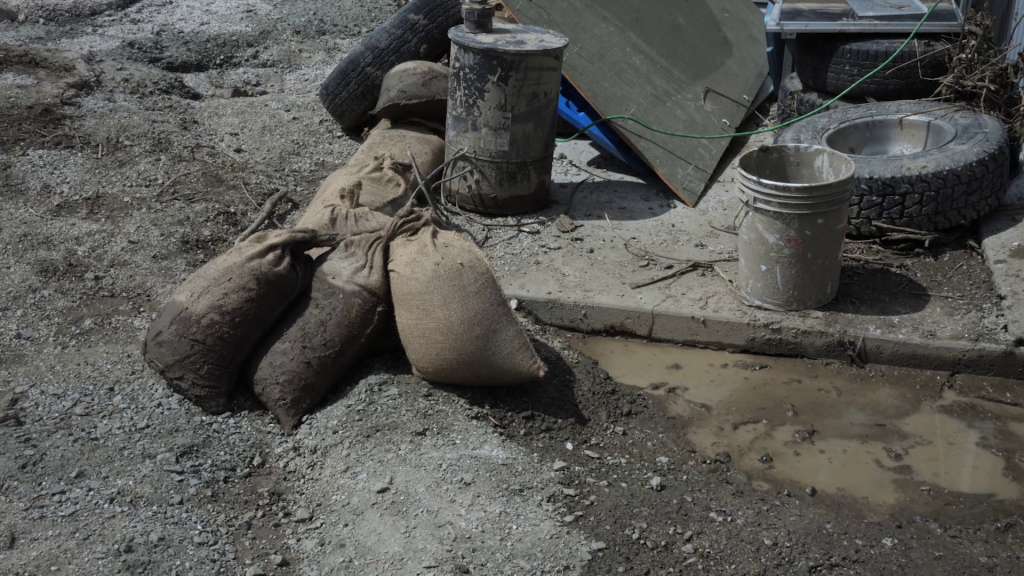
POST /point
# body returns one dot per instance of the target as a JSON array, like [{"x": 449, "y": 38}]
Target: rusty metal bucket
[
  {"x": 794, "y": 222},
  {"x": 502, "y": 106}
]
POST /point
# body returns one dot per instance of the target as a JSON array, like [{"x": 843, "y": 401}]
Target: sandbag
[
  {"x": 330, "y": 326},
  {"x": 201, "y": 337},
  {"x": 379, "y": 176},
  {"x": 453, "y": 319},
  {"x": 351, "y": 222},
  {"x": 398, "y": 139}
]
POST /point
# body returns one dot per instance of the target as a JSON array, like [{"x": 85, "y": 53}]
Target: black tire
[
  {"x": 796, "y": 100},
  {"x": 418, "y": 31},
  {"x": 834, "y": 62},
  {"x": 949, "y": 185},
  {"x": 785, "y": 113}
]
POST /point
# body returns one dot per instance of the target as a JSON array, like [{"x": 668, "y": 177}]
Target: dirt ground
[{"x": 137, "y": 139}]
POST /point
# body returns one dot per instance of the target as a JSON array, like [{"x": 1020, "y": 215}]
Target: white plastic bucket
[{"x": 793, "y": 224}]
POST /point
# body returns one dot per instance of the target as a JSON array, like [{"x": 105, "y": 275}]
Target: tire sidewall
[
  {"x": 935, "y": 189},
  {"x": 973, "y": 131}
]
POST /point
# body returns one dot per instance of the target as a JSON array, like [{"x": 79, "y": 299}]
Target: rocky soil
[{"x": 137, "y": 139}]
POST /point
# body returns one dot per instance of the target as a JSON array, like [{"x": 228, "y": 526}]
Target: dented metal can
[{"x": 502, "y": 108}]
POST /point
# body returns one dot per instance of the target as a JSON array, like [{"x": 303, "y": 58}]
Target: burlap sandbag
[
  {"x": 201, "y": 337},
  {"x": 379, "y": 176},
  {"x": 351, "y": 222},
  {"x": 328, "y": 328},
  {"x": 453, "y": 319}
]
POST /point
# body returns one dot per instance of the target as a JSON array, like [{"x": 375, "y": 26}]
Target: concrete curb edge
[{"x": 737, "y": 335}]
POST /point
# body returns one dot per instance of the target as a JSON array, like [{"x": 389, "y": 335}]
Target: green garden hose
[{"x": 773, "y": 128}]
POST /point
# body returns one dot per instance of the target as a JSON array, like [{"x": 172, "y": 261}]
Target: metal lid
[
  {"x": 478, "y": 16},
  {"x": 514, "y": 38}
]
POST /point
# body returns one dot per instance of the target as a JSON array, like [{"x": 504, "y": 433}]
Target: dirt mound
[
  {"x": 65, "y": 9},
  {"x": 40, "y": 88},
  {"x": 176, "y": 51}
]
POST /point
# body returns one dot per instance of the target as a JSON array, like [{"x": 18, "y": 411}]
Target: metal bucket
[
  {"x": 502, "y": 106},
  {"x": 794, "y": 221}
]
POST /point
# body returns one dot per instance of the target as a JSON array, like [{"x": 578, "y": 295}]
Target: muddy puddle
[{"x": 883, "y": 436}]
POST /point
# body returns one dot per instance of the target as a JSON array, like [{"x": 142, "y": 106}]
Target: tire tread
[
  {"x": 834, "y": 62},
  {"x": 957, "y": 187},
  {"x": 417, "y": 31},
  {"x": 796, "y": 100}
]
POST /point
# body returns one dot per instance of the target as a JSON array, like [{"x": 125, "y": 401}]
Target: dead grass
[
  {"x": 981, "y": 76},
  {"x": 39, "y": 127}
]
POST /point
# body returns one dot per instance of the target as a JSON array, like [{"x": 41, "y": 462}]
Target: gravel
[
  {"x": 125, "y": 167},
  {"x": 111, "y": 201}
]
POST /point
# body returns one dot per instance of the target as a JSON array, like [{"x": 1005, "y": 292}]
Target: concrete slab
[
  {"x": 1002, "y": 241},
  {"x": 936, "y": 309}
]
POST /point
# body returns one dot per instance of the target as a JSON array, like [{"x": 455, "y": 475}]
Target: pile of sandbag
[
  {"x": 205, "y": 332},
  {"x": 267, "y": 315},
  {"x": 287, "y": 313}
]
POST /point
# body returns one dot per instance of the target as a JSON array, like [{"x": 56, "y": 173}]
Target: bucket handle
[{"x": 741, "y": 211}]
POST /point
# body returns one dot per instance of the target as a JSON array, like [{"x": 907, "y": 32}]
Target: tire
[
  {"x": 417, "y": 31},
  {"x": 785, "y": 113},
  {"x": 795, "y": 100},
  {"x": 949, "y": 185},
  {"x": 834, "y": 62}
]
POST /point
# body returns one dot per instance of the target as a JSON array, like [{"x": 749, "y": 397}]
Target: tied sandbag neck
[{"x": 437, "y": 213}]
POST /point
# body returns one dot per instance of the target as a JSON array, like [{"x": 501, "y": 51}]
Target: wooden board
[{"x": 689, "y": 66}]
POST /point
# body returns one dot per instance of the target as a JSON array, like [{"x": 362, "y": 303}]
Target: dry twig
[
  {"x": 39, "y": 215},
  {"x": 891, "y": 228},
  {"x": 937, "y": 295},
  {"x": 859, "y": 258},
  {"x": 981, "y": 76},
  {"x": 172, "y": 181},
  {"x": 684, "y": 270},
  {"x": 255, "y": 205},
  {"x": 583, "y": 168},
  {"x": 724, "y": 230},
  {"x": 268, "y": 210},
  {"x": 736, "y": 291},
  {"x": 644, "y": 252}
]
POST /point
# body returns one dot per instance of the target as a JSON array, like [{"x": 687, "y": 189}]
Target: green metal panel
[{"x": 680, "y": 65}]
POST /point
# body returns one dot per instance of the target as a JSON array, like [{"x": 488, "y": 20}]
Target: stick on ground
[{"x": 268, "y": 210}]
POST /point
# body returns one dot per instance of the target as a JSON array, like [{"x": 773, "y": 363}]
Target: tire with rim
[
  {"x": 795, "y": 100},
  {"x": 417, "y": 31},
  {"x": 919, "y": 165},
  {"x": 834, "y": 62}
]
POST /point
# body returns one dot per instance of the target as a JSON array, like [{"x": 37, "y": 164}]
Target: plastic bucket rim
[
  {"x": 793, "y": 209},
  {"x": 778, "y": 196},
  {"x": 797, "y": 186},
  {"x": 837, "y": 198}
]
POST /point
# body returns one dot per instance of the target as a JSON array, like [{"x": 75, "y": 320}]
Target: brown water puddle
[{"x": 843, "y": 431}]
